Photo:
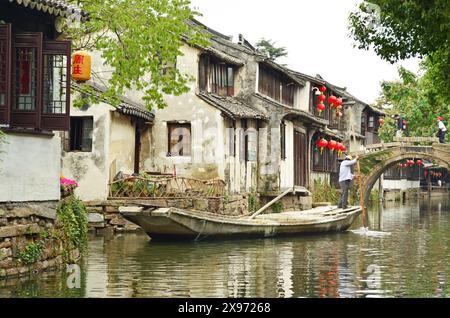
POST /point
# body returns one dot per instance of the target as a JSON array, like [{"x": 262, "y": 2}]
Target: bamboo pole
[{"x": 361, "y": 194}]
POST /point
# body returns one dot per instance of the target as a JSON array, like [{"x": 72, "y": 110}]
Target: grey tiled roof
[
  {"x": 126, "y": 106},
  {"x": 54, "y": 7},
  {"x": 232, "y": 106}
]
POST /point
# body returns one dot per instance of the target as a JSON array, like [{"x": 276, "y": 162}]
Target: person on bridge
[
  {"x": 442, "y": 130},
  {"x": 400, "y": 125},
  {"x": 345, "y": 179}
]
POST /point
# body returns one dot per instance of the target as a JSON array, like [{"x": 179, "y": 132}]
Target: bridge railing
[{"x": 398, "y": 142}]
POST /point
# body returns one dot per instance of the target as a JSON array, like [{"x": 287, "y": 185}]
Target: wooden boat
[{"x": 173, "y": 223}]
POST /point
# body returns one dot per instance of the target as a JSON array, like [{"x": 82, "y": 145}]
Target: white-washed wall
[{"x": 30, "y": 168}]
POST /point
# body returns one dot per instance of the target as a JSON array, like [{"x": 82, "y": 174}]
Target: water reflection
[{"x": 412, "y": 261}]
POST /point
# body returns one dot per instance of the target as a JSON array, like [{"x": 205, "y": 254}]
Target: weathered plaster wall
[
  {"x": 90, "y": 169},
  {"x": 303, "y": 97},
  {"x": 207, "y": 160},
  {"x": 353, "y": 123},
  {"x": 122, "y": 145},
  {"x": 400, "y": 184},
  {"x": 287, "y": 165},
  {"x": 30, "y": 168}
]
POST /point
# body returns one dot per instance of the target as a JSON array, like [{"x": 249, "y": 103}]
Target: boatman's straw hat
[{"x": 348, "y": 157}]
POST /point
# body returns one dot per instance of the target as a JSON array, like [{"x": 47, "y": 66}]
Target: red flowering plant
[{"x": 67, "y": 186}]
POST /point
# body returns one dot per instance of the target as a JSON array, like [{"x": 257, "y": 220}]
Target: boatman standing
[
  {"x": 442, "y": 129},
  {"x": 345, "y": 179}
]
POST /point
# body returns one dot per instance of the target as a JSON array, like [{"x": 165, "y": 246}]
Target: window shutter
[
  {"x": 27, "y": 80},
  {"x": 55, "y": 112},
  {"x": 5, "y": 74}
]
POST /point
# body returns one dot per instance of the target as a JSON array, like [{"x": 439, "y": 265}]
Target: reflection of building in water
[
  {"x": 97, "y": 271},
  {"x": 285, "y": 257}
]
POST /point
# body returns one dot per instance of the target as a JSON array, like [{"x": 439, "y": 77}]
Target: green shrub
[
  {"x": 72, "y": 223},
  {"x": 31, "y": 253}
]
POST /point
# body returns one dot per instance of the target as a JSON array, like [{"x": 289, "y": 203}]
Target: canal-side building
[
  {"x": 104, "y": 142},
  {"x": 35, "y": 62},
  {"x": 246, "y": 120},
  {"x": 34, "y": 98}
]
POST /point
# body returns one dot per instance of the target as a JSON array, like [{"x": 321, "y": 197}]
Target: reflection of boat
[{"x": 177, "y": 223}]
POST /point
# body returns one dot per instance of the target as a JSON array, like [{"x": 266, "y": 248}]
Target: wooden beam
[{"x": 268, "y": 205}]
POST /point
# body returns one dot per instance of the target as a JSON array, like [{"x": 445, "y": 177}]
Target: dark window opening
[
  {"x": 283, "y": 140},
  {"x": 81, "y": 134},
  {"x": 215, "y": 76},
  {"x": 276, "y": 86},
  {"x": 323, "y": 161},
  {"x": 363, "y": 123},
  {"x": 179, "y": 142},
  {"x": 330, "y": 112}
]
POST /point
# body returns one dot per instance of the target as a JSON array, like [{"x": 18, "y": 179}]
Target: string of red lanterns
[
  {"x": 322, "y": 98},
  {"x": 410, "y": 163},
  {"x": 332, "y": 145}
]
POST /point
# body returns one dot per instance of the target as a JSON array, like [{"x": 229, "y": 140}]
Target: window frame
[
  {"x": 55, "y": 121},
  {"x": 5, "y": 110},
  {"x": 271, "y": 84},
  {"x": 171, "y": 126},
  {"x": 81, "y": 130},
  {"x": 37, "y": 119},
  {"x": 283, "y": 140},
  {"x": 27, "y": 118},
  {"x": 214, "y": 70}
]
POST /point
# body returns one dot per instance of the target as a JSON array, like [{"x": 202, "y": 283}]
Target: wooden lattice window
[
  {"x": 5, "y": 73},
  {"x": 276, "y": 86},
  {"x": 34, "y": 81},
  {"x": 216, "y": 76}
]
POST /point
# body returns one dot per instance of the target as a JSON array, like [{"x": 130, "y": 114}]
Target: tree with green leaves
[
  {"x": 140, "y": 41},
  {"x": 269, "y": 48},
  {"x": 398, "y": 30},
  {"x": 416, "y": 99}
]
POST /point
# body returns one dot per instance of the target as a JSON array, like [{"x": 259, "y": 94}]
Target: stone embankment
[{"x": 26, "y": 243}]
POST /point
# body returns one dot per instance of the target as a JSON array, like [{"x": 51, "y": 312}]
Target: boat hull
[{"x": 172, "y": 223}]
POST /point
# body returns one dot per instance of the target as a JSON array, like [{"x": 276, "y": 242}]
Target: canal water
[{"x": 413, "y": 261}]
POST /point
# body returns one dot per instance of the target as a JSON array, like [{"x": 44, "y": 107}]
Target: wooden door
[{"x": 300, "y": 159}]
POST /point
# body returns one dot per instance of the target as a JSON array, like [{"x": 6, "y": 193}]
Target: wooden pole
[
  {"x": 361, "y": 194},
  {"x": 271, "y": 203}
]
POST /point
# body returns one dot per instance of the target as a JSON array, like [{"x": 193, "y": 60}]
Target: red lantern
[
  {"x": 323, "y": 88},
  {"x": 322, "y": 98},
  {"x": 381, "y": 121},
  {"x": 332, "y": 100},
  {"x": 332, "y": 145},
  {"x": 419, "y": 162},
  {"x": 320, "y": 107},
  {"x": 340, "y": 148},
  {"x": 338, "y": 101},
  {"x": 322, "y": 143}
]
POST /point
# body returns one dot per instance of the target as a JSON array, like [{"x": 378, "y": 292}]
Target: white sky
[{"x": 315, "y": 34}]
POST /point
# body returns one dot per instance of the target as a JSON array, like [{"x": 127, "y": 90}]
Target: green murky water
[{"x": 411, "y": 262}]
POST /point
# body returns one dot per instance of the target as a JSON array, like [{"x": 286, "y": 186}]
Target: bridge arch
[{"x": 374, "y": 164}]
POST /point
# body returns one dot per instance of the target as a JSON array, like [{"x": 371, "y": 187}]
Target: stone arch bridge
[{"x": 376, "y": 159}]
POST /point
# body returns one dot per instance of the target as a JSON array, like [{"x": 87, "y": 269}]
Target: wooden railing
[{"x": 165, "y": 187}]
